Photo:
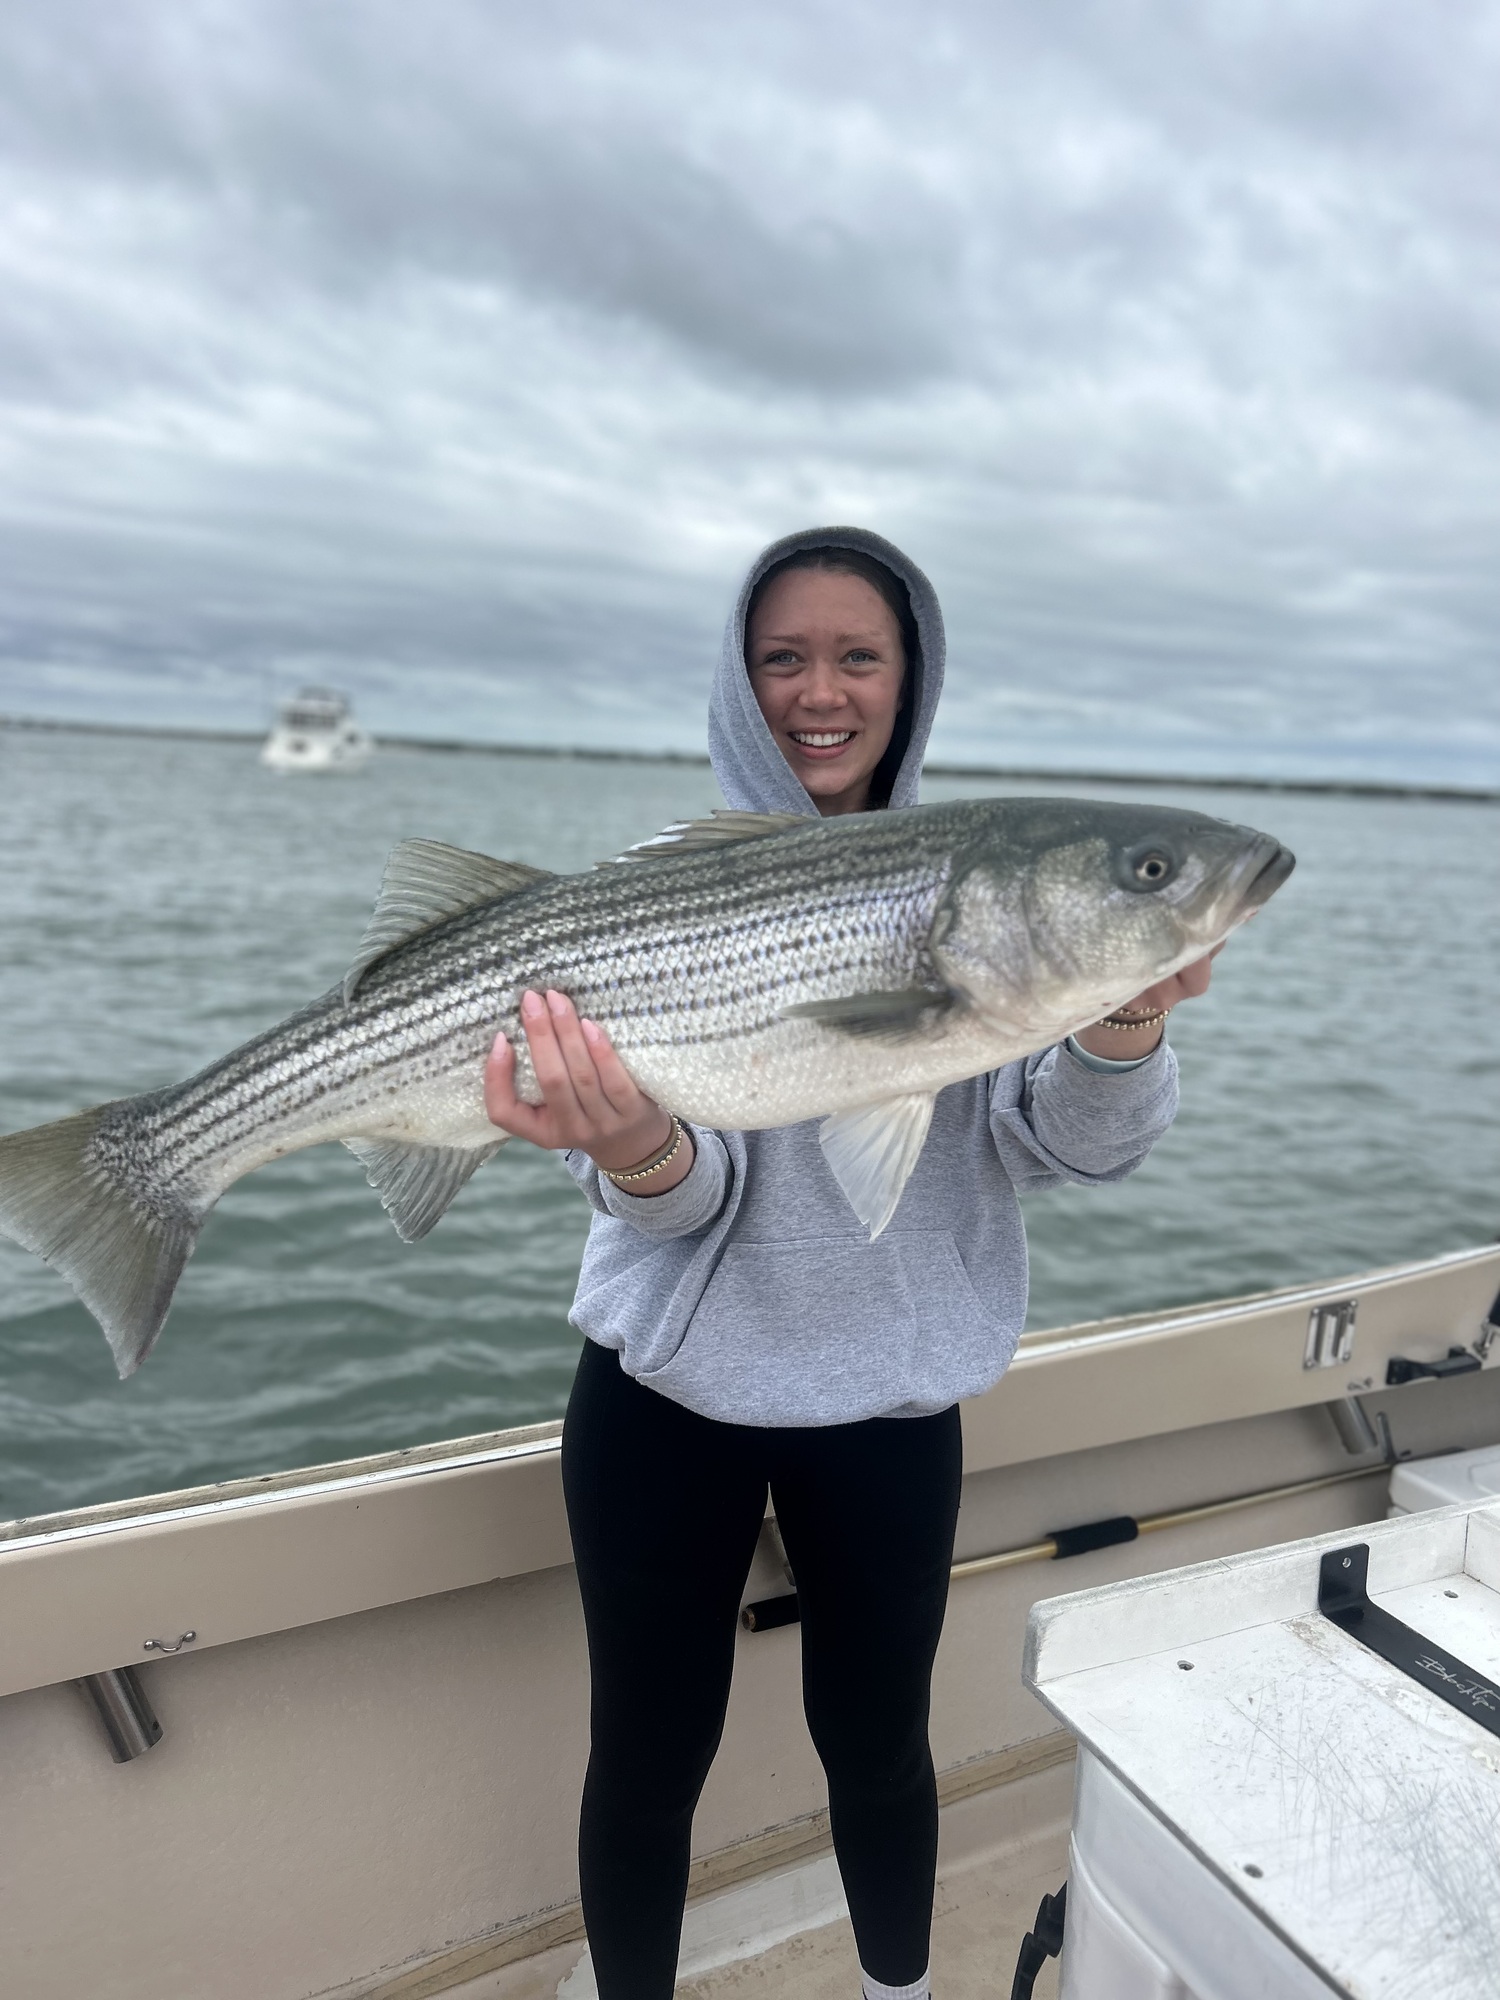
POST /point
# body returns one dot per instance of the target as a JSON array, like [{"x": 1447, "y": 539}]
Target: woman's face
[{"x": 827, "y": 667}]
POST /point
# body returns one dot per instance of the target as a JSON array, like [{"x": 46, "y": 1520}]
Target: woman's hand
[
  {"x": 1126, "y": 1044},
  {"x": 589, "y": 1101},
  {"x": 1185, "y": 985}
]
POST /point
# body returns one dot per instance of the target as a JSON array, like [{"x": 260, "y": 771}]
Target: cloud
[{"x": 463, "y": 355}]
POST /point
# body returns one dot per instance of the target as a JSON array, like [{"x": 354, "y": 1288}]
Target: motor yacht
[{"x": 314, "y": 731}]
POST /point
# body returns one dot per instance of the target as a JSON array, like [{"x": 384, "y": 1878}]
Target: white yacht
[
  {"x": 314, "y": 731},
  {"x": 323, "y": 1732}
]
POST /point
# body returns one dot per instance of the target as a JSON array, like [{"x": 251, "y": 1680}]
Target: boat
[
  {"x": 315, "y": 731},
  {"x": 322, "y": 1732}
]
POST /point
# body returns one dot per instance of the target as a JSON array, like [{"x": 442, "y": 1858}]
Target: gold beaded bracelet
[
  {"x": 655, "y": 1164},
  {"x": 1122, "y": 1022}
]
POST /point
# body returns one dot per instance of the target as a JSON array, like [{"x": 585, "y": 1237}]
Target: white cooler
[
  {"x": 1265, "y": 1808},
  {"x": 1461, "y": 1479}
]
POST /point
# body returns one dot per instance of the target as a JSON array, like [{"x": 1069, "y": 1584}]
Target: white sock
[{"x": 920, "y": 1989}]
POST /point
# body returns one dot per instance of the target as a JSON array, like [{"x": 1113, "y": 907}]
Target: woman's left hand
[
  {"x": 1125, "y": 1044},
  {"x": 1185, "y": 985}
]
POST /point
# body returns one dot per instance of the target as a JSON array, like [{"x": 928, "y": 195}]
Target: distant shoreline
[{"x": 1359, "y": 788}]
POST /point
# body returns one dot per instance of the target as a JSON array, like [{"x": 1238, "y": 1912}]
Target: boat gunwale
[
  {"x": 386, "y": 1468},
  {"x": 532, "y": 1440}
]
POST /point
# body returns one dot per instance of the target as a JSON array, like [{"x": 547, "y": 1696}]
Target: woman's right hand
[{"x": 590, "y": 1103}]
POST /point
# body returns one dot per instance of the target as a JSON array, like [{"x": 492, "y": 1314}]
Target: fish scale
[{"x": 750, "y": 971}]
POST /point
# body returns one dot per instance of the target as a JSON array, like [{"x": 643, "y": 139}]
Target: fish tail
[{"x": 120, "y": 1245}]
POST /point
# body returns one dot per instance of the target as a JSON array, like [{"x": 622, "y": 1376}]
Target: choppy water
[{"x": 161, "y": 900}]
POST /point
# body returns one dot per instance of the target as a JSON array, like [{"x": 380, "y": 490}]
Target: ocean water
[{"x": 160, "y": 900}]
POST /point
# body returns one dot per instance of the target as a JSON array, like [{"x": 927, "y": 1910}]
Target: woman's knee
[
  {"x": 657, "y": 1751},
  {"x": 877, "y": 1755}
]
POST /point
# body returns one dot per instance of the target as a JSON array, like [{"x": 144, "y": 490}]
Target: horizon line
[{"x": 455, "y": 746}]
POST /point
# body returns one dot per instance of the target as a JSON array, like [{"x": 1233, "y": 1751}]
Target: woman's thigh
[
  {"x": 664, "y": 1507},
  {"x": 867, "y": 1512}
]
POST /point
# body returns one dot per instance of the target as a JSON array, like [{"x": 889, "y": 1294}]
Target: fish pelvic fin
[
  {"x": 425, "y": 882},
  {"x": 121, "y": 1250},
  {"x": 871, "y": 1153},
  {"x": 416, "y": 1183}
]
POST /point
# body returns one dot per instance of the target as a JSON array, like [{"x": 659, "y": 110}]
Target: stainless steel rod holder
[
  {"x": 129, "y": 1719},
  {"x": 1356, "y": 1432},
  {"x": 1352, "y": 1422}
]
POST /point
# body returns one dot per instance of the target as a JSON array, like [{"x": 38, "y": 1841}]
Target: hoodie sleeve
[
  {"x": 695, "y": 1203},
  {"x": 1055, "y": 1120}
]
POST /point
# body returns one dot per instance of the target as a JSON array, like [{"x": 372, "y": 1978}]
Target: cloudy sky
[{"x": 462, "y": 354}]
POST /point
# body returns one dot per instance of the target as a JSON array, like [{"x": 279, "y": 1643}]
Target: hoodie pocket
[{"x": 830, "y": 1330}]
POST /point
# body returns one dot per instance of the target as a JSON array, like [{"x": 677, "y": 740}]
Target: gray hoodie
[{"x": 750, "y": 1292}]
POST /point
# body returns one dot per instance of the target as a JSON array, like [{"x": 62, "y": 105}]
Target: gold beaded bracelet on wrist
[{"x": 654, "y": 1165}]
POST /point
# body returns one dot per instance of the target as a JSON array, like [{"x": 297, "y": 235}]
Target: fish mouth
[{"x": 1258, "y": 874}]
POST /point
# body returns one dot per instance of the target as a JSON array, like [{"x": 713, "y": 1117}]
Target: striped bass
[{"x": 751, "y": 970}]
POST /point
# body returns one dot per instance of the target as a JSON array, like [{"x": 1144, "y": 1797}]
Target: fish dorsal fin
[
  {"x": 416, "y": 1183},
  {"x": 424, "y": 882},
  {"x": 871, "y": 1153},
  {"x": 720, "y": 829}
]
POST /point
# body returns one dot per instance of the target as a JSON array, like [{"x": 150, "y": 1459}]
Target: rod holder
[
  {"x": 1352, "y": 1422},
  {"x": 1357, "y": 1434},
  {"x": 129, "y": 1719}
]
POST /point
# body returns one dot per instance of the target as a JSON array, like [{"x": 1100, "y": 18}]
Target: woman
[{"x": 744, "y": 1335}]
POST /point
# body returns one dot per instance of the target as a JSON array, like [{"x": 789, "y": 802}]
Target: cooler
[
  {"x": 1459, "y": 1479},
  {"x": 1267, "y": 1808}
]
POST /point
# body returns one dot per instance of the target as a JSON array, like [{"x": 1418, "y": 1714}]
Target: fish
[{"x": 751, "y": 970}]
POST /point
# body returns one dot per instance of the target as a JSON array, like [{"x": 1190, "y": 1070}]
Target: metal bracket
[
  {"x": 1330, "y": 1334},
  {"x": 1343, "y": 1598}
]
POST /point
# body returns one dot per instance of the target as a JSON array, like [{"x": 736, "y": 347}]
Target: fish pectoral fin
[
  {"x": 892, "y": 1015},
  {"x": 871, "y": 1153},
  {"x": 426, "y": 881},
  {"x": 416, "y": 1183},
  {"x": 720, "y": 829}
]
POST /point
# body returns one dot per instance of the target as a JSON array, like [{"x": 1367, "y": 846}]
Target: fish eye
[{"x": 1150, "y": 867}]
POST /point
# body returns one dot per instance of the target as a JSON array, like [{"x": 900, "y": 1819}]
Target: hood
[{"x": 752, "y": 773}]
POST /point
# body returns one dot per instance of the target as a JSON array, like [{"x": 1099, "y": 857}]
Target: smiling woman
[
  {"x": 746, "y": 1336},
  {"x": 828, "y": 637}
]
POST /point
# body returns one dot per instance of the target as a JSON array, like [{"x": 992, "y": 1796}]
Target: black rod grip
[
  {"x": 1093, "y": 1535},
  {"x": 766, "y": 1613}
]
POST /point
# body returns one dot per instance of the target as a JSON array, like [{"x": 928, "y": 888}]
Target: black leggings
[{"x": 665, "y": 1507}]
